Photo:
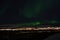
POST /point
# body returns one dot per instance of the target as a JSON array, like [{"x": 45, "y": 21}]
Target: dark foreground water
[{"x": 19, "y": 35}]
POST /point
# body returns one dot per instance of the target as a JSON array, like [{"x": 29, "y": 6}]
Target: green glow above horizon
[
  {"x": 29, "y": 24},
  {"x": 53, "y": 21},
  {"x": 36, "y": 23}
]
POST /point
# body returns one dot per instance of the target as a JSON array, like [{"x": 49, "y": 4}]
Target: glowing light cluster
[{"x": 33, "y": 28}]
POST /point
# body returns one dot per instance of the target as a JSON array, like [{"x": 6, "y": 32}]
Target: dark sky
[{"x": 23, "y": 10}]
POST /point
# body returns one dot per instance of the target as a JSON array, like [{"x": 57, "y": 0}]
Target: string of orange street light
[{"x": 33, "y": 28}]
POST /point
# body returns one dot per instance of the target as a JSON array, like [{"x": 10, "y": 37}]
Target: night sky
[{"x": 29, "y": 10}]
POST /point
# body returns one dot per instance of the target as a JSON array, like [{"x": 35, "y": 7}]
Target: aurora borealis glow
[{"x": 29, "y": 10}]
